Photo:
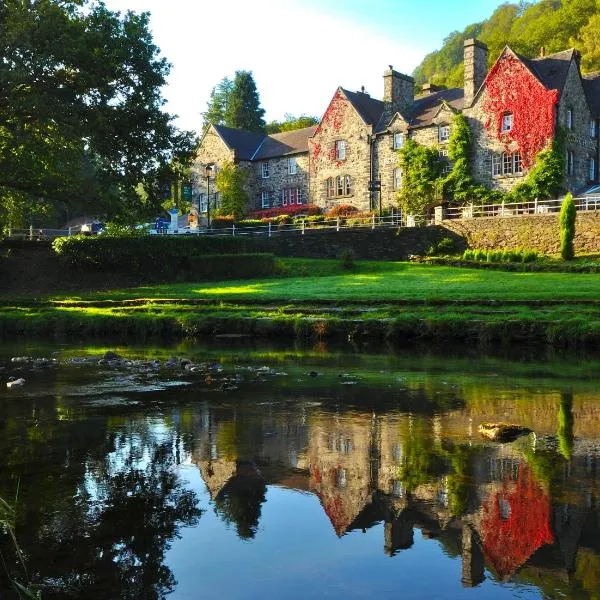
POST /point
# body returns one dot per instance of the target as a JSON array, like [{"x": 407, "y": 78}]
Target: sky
[{"x": 299, "y": 51}]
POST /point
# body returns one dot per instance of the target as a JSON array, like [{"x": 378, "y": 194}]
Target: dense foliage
[
  {"x": 527, "y": 26},
  {"x": 81, "y": 122},
  {"x": 568, "y": 215},
  {"x": 290, "y": 122},
  {"x": 236, "y": 104},
  {"x": 230, "y": 182},
  {"x": 421, "y": 178}
]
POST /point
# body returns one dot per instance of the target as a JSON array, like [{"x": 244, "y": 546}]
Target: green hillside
[{"x": 526, "y": 27}]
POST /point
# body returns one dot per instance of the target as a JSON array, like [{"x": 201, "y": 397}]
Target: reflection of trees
[
  {"x": 565, "y": 425},
  {"x": 240, "y": 500}
]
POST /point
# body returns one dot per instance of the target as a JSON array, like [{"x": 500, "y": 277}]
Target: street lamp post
[{"x": 209, "y": 170}]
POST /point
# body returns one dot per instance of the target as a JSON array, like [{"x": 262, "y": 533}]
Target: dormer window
[
  {"x": 444, "y": 133},
  {"x": 569, "y": 118},
  {"x": 398, "y": 141},
  {"x": 340, "y": 150},
  {"x": 507, "y": 122}
]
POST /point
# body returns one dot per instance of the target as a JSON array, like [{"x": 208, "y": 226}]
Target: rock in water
[
  {"x": 502, "y": 432},
  {"x": 15, "y": 383}
]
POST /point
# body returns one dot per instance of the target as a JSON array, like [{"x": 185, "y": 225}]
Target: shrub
[
  {"x": 567, "y": 228},
  {"x": 468, "y": 255},
  {"x": 342, "y": 210},
  {"x": 298, "y": 209},
  {"x": 347, "y": 259},
  {"x": 480, "y": 255},
  {"x": 529, "y": 256},
  {"x": 445, "y": 246}
]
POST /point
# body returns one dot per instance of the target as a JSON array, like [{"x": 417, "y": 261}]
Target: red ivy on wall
[
  {"x": 515, "y": 523},
  {"x": 512, "y": 88},
  {"x": 332, "y": 121}
]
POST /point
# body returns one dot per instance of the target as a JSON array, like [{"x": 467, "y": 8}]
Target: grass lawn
[{"x": 373, "y": 282}]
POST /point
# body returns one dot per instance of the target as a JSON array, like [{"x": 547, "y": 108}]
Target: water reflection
[{"x": 102, "y": 498}]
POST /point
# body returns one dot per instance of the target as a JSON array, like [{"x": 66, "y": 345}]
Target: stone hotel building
[{"x": 514, "y": 110}]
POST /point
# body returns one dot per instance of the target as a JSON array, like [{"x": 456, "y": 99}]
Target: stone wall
[{"x": 536, "y": 232}]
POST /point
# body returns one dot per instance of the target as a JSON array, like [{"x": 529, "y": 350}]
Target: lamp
[{"x": 209, "y": 171}]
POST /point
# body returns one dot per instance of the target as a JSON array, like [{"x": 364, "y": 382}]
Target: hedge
[{"x": 154, "y": 254}]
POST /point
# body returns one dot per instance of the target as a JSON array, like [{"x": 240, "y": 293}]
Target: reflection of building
[{"x": 496, "y": 505}]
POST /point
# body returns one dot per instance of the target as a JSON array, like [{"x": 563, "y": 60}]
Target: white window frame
[
  {"x": 291, "y": 166},
  {"x": 330, "y": 186},
  {"x": 284, "y": 196},
  {"x": 340, "y": 150},
  {"x": 202, "y": 203},
  {"x": 507, "y": 163},
  {"x": 443, "y": 152},
  {"x": 507, "y": 122},
  {"x": 298, "y": 195},
  {"x": 517, "y": 163},
  {"x": 570, "y": 163},
  {"x": 397, "y": 178},
  {"x": 592, "y": 169},
  {"x": 339, "y": 185},
  {"x": 217, "y": 197},
  {"x": 398, "y": 141},
  {"x": 569, "y": 118},
  {"x": 593, "y": 129},
  {"x": 265, "y": 171},
  {"x": 447, "y": 169},
  {"x": 265, "y": 199},
  {"x": 347, "y": 185},
  {"x": 293, "y": 193},
  {"x": 444, "y": 133},
  {"x": 496, "y": 165}
]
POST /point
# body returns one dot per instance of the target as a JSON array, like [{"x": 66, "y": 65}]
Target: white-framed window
[
  {"x": 340, "y": 185},
  {"x": 285, "y": 196},
  {"x": 517, "y": 163},
  {"x": 265, "y": 170},
  {"x": 266, "y": 199},
  {"x": 443, "y": 152},
  {"x": 507, "y": 163},
  {"x": 330, "y": 188},
  {"x": 299, "y": 196},
  {"x": 217, "y": 199},
  {"x": 340, "y": 150},
  {"x": 593, "y": 129},
  {"x": 496, "y": 165},
  {"x": 507, "y": 122},
  {"x": 569, "y": 118},
  {"x": 293, "y": 195},
  {"x": 347, "y": 185},
  {"x": 592, "y": 169},
  {"x": 202, "y": 203},
  {"x": 444, "y": 133},
  {"x": 447, "y": 169},
  {"x": 397, "y": 178},
  {"x": 291, "y": 166},
  {"x": 398, "y": 141},
  {"x": 570, "y": 162}
]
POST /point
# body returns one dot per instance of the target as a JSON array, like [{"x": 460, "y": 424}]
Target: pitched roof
[
  {"x": 552, "y": 69},
  {"x": 287, "y": 142},
  {"x": 368, "y": 108},
  {"x": 243, "y": 143},
  {"x": 426, "y": 107},
  {"x": 591, "y": 85}
]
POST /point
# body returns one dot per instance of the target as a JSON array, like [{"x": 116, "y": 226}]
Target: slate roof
[
  {"x": 368, "y": 108},
  {"x": 426, "y": 107},
  {"x": 591, "y": 85},
  {"x": 282, "y": 144},
  {"x": 244, "y": 143},
  {"x": 552, "y": 69}
]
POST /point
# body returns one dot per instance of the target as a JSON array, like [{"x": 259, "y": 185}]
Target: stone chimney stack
[
  {"x": 398, "y": 93},
  {"x": 476, "y": 54}
]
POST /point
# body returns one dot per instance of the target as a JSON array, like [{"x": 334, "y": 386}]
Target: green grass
[{"x": 372, "y": 282}]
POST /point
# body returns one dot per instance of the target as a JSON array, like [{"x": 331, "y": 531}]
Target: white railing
[
  {"x": 37, "y": 233},
  {"x": 516, "y": 209}
]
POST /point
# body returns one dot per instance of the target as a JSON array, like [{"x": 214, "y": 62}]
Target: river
[{"x": 240, "y": 470}]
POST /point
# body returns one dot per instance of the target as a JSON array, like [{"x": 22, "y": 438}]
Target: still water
[{"x": 259, "y": 472}]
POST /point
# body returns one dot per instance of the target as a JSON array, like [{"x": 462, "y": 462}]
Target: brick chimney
[
  {"x": 476, "y": 54},
  {"x": 398, "y": 93}
]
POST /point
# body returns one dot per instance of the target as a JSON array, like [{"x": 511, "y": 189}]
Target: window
[
  {"x": 570, "y": 162},
  {"x": 447, "y": 169},
  {"x": 507, "y": 122},
  {"x": 293, "y": 195},
  {"x": 592, "y": 169},
  {"x": 569, "y": 118},
  {"x": 266, "y": 199},
  {"x": 340, "y": 150},
  {"x": 291, "y": 164},
  {"x": 507, "y": 163},
  {"x": 517, "y": 164},
  {"x": 398, "y": 141},
  {"x": 217, "y": 199},
  {"x": 347, "y": 187},
  {"x": 496, "y": 165},
  {"x": 444, "y": 133},
  {"x": 265, "y": 170},
  {"x": 340, "y": 185},
  {"x": 202, "y": 203},
  {"x": 330, "y": 188},
  {"x": 593, "y": 129},
  {"x": 397, "y": 178},
  {"x": 298, "y": 196},
  {"x": 443, "y": 152},
  {"x": 285, "y": 196}
]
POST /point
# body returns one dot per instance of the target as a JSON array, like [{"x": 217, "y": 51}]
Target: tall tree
[
  {"x": 243, "y": 110},
  {"x": 218, "y": 103},
  {"x": 81, "y": 119},
  {"x": 230, "y": 182}
]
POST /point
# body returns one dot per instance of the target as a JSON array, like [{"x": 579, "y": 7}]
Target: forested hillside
[{"x": 526, "y": 27}]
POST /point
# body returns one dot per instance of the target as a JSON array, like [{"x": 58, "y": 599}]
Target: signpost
[{"x": 187, "y": 191}]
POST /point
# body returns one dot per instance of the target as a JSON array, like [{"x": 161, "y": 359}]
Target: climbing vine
[
  {"x": 512, "y": 88},
  {"x": 332, "y": 121}
]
